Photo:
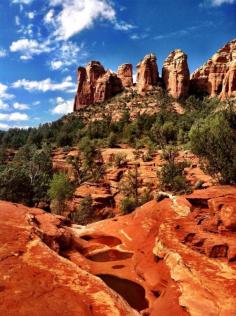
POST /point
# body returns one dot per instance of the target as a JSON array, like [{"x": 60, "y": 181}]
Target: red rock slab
[{"x": 35, "y": 280}]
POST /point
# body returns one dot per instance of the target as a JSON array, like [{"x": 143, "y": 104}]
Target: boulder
[
  {"x": 147, "y": 73},
  {"x": 228, "y": 216},
  {"x": 175, "y": 74}
]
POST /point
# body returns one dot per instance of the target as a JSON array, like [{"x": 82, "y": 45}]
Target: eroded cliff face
[
  {"x": 170, "y": 257},
  {"x": 217, "y": 76},
  {"x": 175, "y": 74},
  {"x": 147, "y": 73}
]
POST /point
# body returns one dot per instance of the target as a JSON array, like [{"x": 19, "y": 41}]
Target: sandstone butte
[
  {"x": 216, "y": 78},
  {"x": 176, "y": 256}
]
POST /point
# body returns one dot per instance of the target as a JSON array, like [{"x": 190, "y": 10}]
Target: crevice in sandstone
[
  {"x": 132, "y": 292},
  {"x": 103, "y": 239},
  {"x": 109, "y": 255}
]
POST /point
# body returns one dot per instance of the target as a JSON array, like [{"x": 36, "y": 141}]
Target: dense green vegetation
[{"x": 207, "y": 127}]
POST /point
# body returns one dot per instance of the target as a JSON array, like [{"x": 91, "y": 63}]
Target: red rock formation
[
  {"x": 217, "y": 76},
  {"x": 125, "y": 73},
  {"x": 87, "y": 78},
  {"x": 229, "y": 83},
  {"x": 107, "y": 86},
  {"x": 175, "y": 74},
  {"x": 36, "y": 280},
  {"x": 147, "y": 73},
  {"x": 173, "y": 257}
]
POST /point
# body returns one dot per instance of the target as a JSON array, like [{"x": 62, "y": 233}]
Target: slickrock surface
[
  {"x": 217, "y": 76},
  {"x": 36, "y": 280},
  {"x": 125, "y": 73},
  {"x": 147, "y": 73},
  {"x": 175, "y": 74},
  {"x": 172, "y": 257}
]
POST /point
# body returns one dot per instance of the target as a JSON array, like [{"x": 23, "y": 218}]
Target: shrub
[
  {"x": 171, "y": 175},
  {"x": 84, "y": 212},
  {"x": 127, "y": 205},
  {"x": 120, "y": 160},
  {"x": 59, "y": 191}
]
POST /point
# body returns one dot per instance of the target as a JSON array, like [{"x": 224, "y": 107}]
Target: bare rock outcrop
[
  {"x": 147, "y": 73},
  {"x": 217, "y": 76},
  {"x": 87, "y": 79},
  {"x": 125, "y": 73},
  {"x": 175, "y": 74},
  {"x": 107, "y": 86}
]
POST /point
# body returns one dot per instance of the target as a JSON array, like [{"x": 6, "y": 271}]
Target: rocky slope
[
  {"x": 175, "y": 256},
  {"x": 217, "y": 77},
  {"x": 106, "y": 194}
]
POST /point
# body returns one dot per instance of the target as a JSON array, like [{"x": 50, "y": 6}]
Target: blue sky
[{"x": 42, "y": 42}]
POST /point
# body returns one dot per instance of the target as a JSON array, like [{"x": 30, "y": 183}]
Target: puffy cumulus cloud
[
  {"x": 20, "y": 106},
  {"x": 15, "y": 116},
  {"x": 30, "y": 47},
  {"x": 77, "y": 15},
  {"x": 63, "y": 106},
  {"x": 46, "y": 85},
  {"x": 217, "y": 3},
  {"x": 3, "y": 92}
]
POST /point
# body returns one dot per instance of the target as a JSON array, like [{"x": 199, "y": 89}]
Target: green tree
[
  {"x": 60, "y": 189},
  {"x": 214, "y": 140}
]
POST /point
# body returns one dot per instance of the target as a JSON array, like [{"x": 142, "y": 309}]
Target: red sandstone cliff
[
  {"x": 217, "y": 77},
  {"x": 175, "y": 74}
]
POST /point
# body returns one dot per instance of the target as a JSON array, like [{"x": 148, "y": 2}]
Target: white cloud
[
  {"x": 22, "y": 1},
  {"x": 67, "y": 54},
  {"x": 3, "y": 53},
  {"x": 30, "y": 15},
  {"x": 31, "y": 47},
  {"x": 63, "y": 106},
  {"x": 17, "y": 20},
  {"x": 217, "y": 3},
  {"x": 56, "y": 64},
  {"x": 7, "y": 126},
  {"x": 3, "y": 105},
  {"x": 20, "y": 106},
  {"x": 15, "y": 116},
  {"x": 4, "y": 126},
  {"x": 3, "y": 92},
  {"x": 46, "y": 85},
  {"x": 123, "y": 26},
  {"x": 78, "y": 15},
  {"x": 49, "y": 17}
]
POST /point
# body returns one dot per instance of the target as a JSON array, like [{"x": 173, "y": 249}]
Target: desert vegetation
[{"x": 26, "y": 174}]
